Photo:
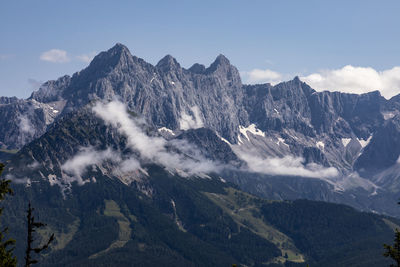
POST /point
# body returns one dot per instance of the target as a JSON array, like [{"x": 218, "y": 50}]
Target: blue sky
[{"x": 268, "y": 41}]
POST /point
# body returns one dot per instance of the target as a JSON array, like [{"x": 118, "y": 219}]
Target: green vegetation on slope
[
  {"x": 112, "y": 210},
  {"x": 244, "y": 209},
  {"x": 331, "y": 234},
  {"x": 62, "y": 236},
  {"x": 189, "y": 222}
]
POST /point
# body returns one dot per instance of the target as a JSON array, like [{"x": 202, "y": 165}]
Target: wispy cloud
[
  {"x": 349, "y": 79},
  {"x": 129, "y": 165},
  {"x": 87, "y": 156},
  {"x": 18, "y": 180},
  {"x": 55, "y": 56},
  {"x": 153, "y": 148},
  {"x": 25, "y": 125},
  {"x": 288, "y": 165},
  {"x": 87, "y": 58},
  {"x": 261, "y": 76},
  {"x": 190, "y": 159},
  {"x": 178, "y": 156},
  {"x": 62, "y": 56},
  {"x": 357, "y": 80},
  {"x": 191, "y": 122},
  {"x": 5, "y": 56}
]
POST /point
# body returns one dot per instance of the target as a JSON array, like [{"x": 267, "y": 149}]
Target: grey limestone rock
[{"x": 349, "y": 132}]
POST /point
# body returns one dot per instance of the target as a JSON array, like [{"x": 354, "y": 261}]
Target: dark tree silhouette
[
  {"x": 32, "y": 226},
  {"x": 7, "y": 259},
  {"x": 394, "y": 251}
]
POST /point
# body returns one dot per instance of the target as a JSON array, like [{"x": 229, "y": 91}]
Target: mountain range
[{"x": 161, "y": 159}]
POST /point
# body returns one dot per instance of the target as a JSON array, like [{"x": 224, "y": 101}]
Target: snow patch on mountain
[
  {"x": 346, "y": 141},
  {"x": 363, "y": 142},
  {"x": 252, "y": 128},
  {"x": 388, "y": 115},
  {"x": 52, "y": 178},
  {"x": 223, "y": 139},
  {"x": 320, "y": 145},
  {"x": 165, "y": 129},
  {"x": 281, "y": 141}
]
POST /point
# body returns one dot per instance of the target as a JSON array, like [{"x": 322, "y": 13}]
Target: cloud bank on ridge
[
  {"x": 154, "y": 148},
  {"x": 348, "y": 79},
  {"x": 175, "y": 155}
]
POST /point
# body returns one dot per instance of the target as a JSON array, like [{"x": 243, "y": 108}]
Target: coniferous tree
[
  {"x": 7, "y": 259},
  {"x": 394, "y": 251},
  {"x": 32, "y": 226}
]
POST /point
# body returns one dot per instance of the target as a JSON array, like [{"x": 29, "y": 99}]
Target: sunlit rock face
[{"x": 348, "y": 142}]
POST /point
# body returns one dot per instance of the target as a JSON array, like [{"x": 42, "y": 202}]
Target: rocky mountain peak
[
  {"x": 118, "y": 51},
  {"x": 297, "y": 83},
  {"x": 8, "y": 100},
  {"x": 221, "y": 62},
  {"x": 222, "y": 68},
  {"x": 117, "y": 55},
  {"x": 197, "y": 68},
  {"x": 395, "y": 98},
  {"x": 221, "y": 59},
  {"x": 375, "y": 93},
  {"x": 168, "y": 63},
  {"x": 51, "y": 90}
]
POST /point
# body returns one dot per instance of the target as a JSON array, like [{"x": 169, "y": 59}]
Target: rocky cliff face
[
  {"x": 22, "y": 121},
  {"x": 166, "y": 94},
  {"x": 383, "y": 151},
  {"x": 173, "y": 97},
  {"x": 321, "y": 133}
]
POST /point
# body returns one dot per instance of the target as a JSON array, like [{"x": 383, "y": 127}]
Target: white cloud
[
  {"x": 18, "y": 180},
  {"x": 25, "y": 125},
  {"x": 74, "y": 169},
  {"x": 191, "y": 122},
  {"x": 288, "y": 165},
  {"x": 153, "y": 148},
  {"x": 34, "y": 165},
  {"x": 61, "y": 56},
  {"x": 55, "y": 56},
  {"x": 349, "y": 79},
  {"x": 88, "y": 156},
  {"x": 357, "y": 80},
  {"x": 261, "y": 76},
  {"x": 129, "y": 165},
  {"x": 87, "y": 58}
]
